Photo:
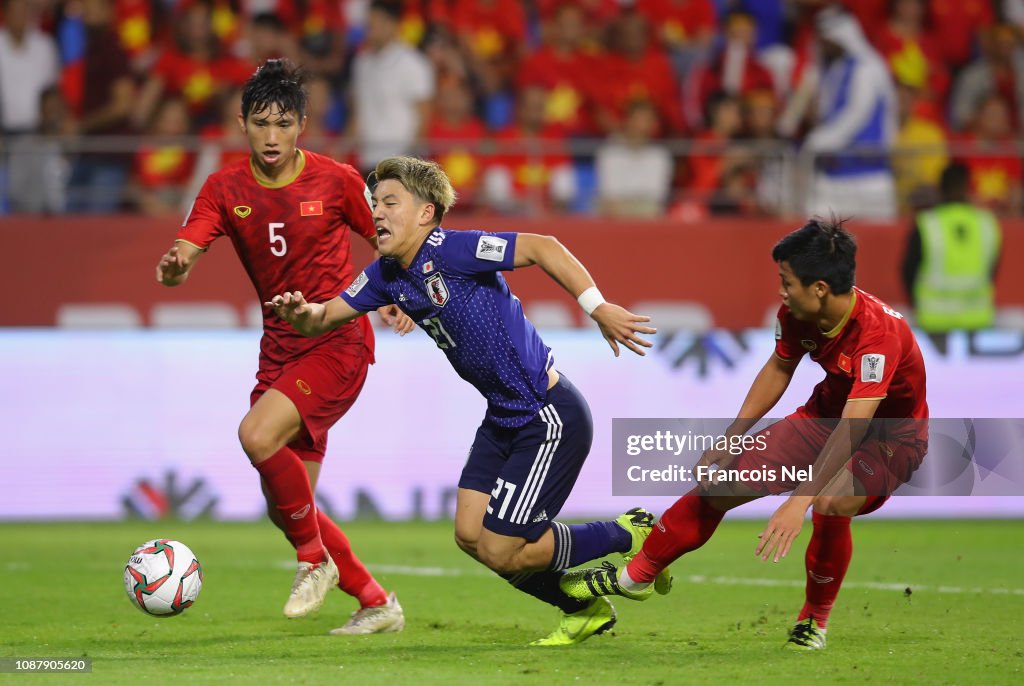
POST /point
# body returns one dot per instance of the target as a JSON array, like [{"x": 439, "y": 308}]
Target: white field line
[{"x": 696, "y": 579}]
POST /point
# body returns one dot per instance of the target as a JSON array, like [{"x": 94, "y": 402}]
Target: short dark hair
[
  {"x": 392, "y": 8},
  {"x": 276, "y": 82},
  {"x": 268, "y": 20},
  {"x": 820, "y": 250},
  {"x": 954, "y": 182}
]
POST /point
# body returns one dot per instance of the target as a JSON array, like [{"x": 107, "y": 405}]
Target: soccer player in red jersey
[
  {"x": 873, "y": 371},
  {"x": 288, "y": 214}
]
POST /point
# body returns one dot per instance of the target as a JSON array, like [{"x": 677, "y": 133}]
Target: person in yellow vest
[{"x": 952, "y": 255}]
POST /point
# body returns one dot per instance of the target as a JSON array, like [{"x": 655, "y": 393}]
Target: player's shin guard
[
  {"x": 354, "y": 578},
  {"x": 288, "y": 484},
  {"x": 685, "y": 526},
  {"x": 544, "y": 586},
  {"x": 827, "y": 559},
  {"x": 579, "y": 543}
]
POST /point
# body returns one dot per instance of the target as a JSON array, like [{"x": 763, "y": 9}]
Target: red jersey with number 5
[
  {"x": 295, "y": 236},
  {"x": 872, "y": 353}
]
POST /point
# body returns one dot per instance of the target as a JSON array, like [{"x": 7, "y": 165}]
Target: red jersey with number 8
[
  {"x": 872, "y": 353},
  {"x": 294, "y": 236}
]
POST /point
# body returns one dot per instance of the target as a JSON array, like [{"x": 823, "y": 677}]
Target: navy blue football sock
[
  {"x": 544, "y": 586},
  {"x": 579, "y": 543}
]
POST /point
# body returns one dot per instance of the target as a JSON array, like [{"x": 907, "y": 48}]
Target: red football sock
[
  {"x": 685, "y": 526},
  {"x": 288, "y": 483},
  {"x": 827, "y": 559},
  {"x": 354, "y": 578}
]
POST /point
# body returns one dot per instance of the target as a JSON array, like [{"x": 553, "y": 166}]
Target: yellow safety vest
[{"x": 959, "y": 245}]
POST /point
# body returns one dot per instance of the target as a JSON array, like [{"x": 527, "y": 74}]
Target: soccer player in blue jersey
[{"x": 537, "y": 430}]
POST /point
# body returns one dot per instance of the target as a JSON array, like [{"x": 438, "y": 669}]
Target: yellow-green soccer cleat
[
  {"x": 595, "y": 582},
  {"x": 638, "y": 522},
  {"x": 806, "y": 635},
  {"x": 596, "y": 618}
]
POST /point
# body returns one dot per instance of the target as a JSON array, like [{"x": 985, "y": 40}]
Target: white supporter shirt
[
  {"x": 26, "y": 70},
  {"x": 387, "y": 86},
  {"x": 634, "y": 173}
]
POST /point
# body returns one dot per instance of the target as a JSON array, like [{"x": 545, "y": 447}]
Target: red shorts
[
  {"x": 879, "y": 467},
  {"x": 324, "y": 383}
]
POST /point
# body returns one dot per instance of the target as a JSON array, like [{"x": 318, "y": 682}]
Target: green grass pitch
[{"x": 725, "y": 622}]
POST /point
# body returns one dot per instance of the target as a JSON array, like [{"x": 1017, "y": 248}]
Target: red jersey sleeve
[
  {"x": 356, "y": 202},
  {"x": 204, "y": 223},
  {"x": 874, "y": 365},
  {"x": 787, "y": 341}
]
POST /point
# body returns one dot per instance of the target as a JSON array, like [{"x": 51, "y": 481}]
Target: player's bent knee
[
  {"x": 258, "y": 443},
  {"x": 466, "y": 543},
  {"x": 500, "y": 559},
  {"x": 838, "y": 506}
]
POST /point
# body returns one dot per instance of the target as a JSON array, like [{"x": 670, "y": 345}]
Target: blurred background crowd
[{"x": 638, "y": 108}]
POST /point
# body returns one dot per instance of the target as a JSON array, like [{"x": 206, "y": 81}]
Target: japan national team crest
[{"x": 437, "y": 290}]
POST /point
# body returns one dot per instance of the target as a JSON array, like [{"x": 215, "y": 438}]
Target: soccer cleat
[
  {"x": 637, "y": 523},
  {"x": 806, "y": 635},
  {"x": 594, "y": 582},
  {"x": 310, "y": 586},
  {"x": 596, "y": 618},
  {"x": 382, "y": 619}
]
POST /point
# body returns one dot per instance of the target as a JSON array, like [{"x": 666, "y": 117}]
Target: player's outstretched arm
[
  {"x": 311, "y": 319},
  {"x": 768, "y": 386},
  {"x": 618, "y": 325},
  {"x": 175, "y": 264},
  {"x": 785, "y": 524}
]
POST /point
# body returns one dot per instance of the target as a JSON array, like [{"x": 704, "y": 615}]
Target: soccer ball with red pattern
[{"x": 163, "y": 577}]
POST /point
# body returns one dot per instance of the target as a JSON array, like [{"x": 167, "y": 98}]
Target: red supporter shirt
[
  {"x": 957, "y": 23},
  {"x": 491, "y": 28},
  {"x": 570, "y": 80},
  {"x": 649, "y": 78},
  {"x": 531, "y": 159},
  {"x": 198, "y": 82},
  {"x": 168, "y": 165},
  {"x": 872, "y": 354},
  {"x": 456, "y": 147},
  {"x": 993, "y": 176},
  {"x": 293, "y": 237},
  {"x": 679, "y": 21}
]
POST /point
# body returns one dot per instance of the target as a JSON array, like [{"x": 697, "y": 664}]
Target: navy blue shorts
[{"x": 530, "y": 471}]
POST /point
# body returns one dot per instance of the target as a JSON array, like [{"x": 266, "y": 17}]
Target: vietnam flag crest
[
  {"x": 311, "y": 208},
  {"x": 845, "y": 362}
]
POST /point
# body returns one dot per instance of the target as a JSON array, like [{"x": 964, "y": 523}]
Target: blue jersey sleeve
[
  {"x": 477, "y": 252},
  {"x": 366, "y": 293}
]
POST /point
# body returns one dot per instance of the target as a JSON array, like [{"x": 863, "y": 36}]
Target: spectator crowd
[{"x": 637, "y": 108}]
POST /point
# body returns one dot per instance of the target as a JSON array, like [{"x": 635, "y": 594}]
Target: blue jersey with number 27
[{"x": 455, "y": 291}]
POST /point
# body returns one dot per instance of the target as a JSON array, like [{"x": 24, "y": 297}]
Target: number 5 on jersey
[{"x": 278, "y": 246}]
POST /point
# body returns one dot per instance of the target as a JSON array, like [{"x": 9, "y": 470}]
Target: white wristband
[{"x": 590, "y": 299}]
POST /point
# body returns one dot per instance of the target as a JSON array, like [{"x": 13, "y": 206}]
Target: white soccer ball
[{"x": 163, "y": 577}]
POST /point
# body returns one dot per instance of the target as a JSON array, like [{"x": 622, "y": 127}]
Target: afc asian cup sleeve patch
[
  {"x": 491, "y": 248},
  {"x": 357, "y": 285},
  {"x": 369, "y": 196},
  {"x": 872, "y": 367},
  {"x": 778, "y": 330}
]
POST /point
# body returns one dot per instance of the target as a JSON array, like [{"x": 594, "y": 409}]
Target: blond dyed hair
[{"x": 424, "y": 179}]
